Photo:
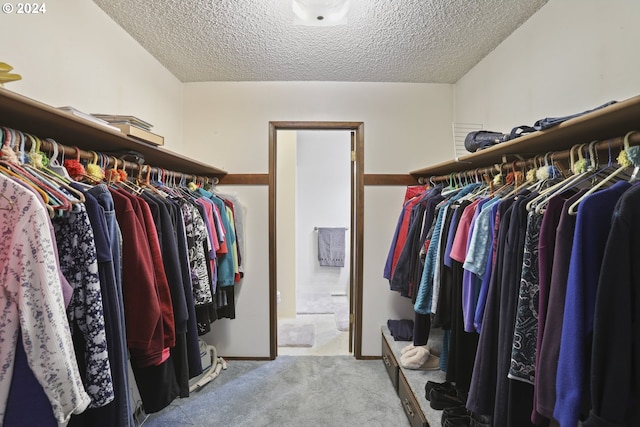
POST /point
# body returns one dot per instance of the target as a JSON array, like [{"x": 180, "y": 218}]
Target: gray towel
[{"x": 331, "y": 247}]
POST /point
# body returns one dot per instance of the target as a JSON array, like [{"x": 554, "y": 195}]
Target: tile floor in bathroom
[{"x": 329, "y": 341}]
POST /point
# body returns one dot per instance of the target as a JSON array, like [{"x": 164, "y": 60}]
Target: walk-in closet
[{"x": 319, "y": 213}]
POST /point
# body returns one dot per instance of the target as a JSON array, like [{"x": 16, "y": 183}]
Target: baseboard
[{"x": 265, "y": 358}]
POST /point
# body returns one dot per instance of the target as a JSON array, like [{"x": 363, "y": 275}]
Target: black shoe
[
  {"x": 441, "y": 400},
  {"x": 455, "y": 412},
  {"x": 462, "y": 395},
  {"x": 481, "y": 420},
  {"x": 476, "y": 423},
  {"x": 458, "y": 422},
  {"x": 445, "y": 387}
]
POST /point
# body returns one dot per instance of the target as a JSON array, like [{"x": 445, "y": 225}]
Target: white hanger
[
  {"x": 540, "y": 201},
  {"x": 573, "y": 209},
  {"x": 53, "y": 162}
]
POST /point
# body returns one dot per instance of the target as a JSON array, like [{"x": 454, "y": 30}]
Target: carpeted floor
[{"x": 291, "y": 391}]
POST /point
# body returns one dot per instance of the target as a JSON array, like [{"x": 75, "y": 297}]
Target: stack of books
[
  {"x": 133, "y": 127},
  {"x": 88, "y": 117}
]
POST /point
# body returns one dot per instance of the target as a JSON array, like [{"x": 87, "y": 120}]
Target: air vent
[{"x": 460, "y": 131}]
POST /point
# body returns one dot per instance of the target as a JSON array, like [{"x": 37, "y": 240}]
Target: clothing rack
[
  {"x": 114, "y": 160},
  {"x": 602, "y": 148}
]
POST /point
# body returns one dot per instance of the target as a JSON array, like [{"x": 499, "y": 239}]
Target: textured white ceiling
[{"x": 426, "y": 41}]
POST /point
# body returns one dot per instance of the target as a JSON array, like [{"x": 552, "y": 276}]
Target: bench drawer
[
  {"x": 410, "y": 404},
  {"x": 390, "y": 363}
]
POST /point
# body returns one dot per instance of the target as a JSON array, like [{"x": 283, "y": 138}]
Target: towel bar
[{"x": 316, "y": 228}]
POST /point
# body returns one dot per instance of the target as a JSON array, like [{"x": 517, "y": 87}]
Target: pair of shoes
[
  {"x": 410, "y": 347},
  {"x": 460, "y": 416},
  {"x": 419, "y": 358},
  {"x": 445, "y": 387},
  {"x": 442, "y": 400},
  {"x": 407, "y": 348},
  {"x": 480, "y": 420},
  {"x": 456, "y": 415},
  {"x": 464, "y": 421}
]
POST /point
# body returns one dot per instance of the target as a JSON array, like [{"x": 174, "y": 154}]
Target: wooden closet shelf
[
  {"x": 30, "y": 116},
  {"x": 609, "y": 122}
]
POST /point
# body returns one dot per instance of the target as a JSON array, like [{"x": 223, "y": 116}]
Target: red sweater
[
  {"x": 143, "y": 315},
  {"x": 166, "y": 304}
]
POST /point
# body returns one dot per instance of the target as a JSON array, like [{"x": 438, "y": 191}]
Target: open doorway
[
  {"x": 330, "y": 295},
  {"x": 313, "y": 197}
]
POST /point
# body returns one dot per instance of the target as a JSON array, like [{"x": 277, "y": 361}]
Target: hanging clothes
[
  {"x": 31, "y": 284},
  {"x": 79, "y": 264},
  {"x": 424, "y": 298},
  {"x": 482, "y": 389},
  {"x": 614, "y": 369},
  {"x": 402, "y": 228},
  {"x": 102, "y": 219},
  {"x": 523, "y": 362},
  {"x": 226, "y": 268},
  {"x": 144, "y": 328},
  {"x": 169, "y": 250},
  {"x": 547, "y": 366},
  {"x": 119, "y": 259},
  {"x": 546, "y": 249},
  {"x": 593, "y": 222},
  {"x": 410, "y": 263}
]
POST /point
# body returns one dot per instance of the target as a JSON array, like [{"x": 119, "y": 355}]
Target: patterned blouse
[
  {"x": 79, "y": 264},
  {"x": 31, "y": 300},
  {"x": 196, "y": 236}
]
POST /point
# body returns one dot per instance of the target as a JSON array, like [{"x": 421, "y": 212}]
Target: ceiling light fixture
[{"x": 320, "y": 13}]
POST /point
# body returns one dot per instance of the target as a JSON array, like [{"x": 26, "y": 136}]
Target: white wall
[
  {"x": 406, "y": 126},
  {"x": 323, "y": 199},
  {"x": 74, "y": 54},
  {"x": 571, "y": 56},
  {"x": 382, "y": 207},
  {"x": 248, "y": 334}
]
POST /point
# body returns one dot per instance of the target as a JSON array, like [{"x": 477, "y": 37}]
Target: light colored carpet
[
  {"x": 314, "y": 303},
  {"x": 291, "y": 391},
  {"x": 296, "y": 334}
]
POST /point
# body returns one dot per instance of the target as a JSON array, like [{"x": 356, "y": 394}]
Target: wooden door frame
[{"x": 357, "y": 229}]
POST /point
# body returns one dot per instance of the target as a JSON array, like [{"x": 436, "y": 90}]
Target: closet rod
[
  {"x": 72, "y": 153},
  {"x": 600, "y": 147}
]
